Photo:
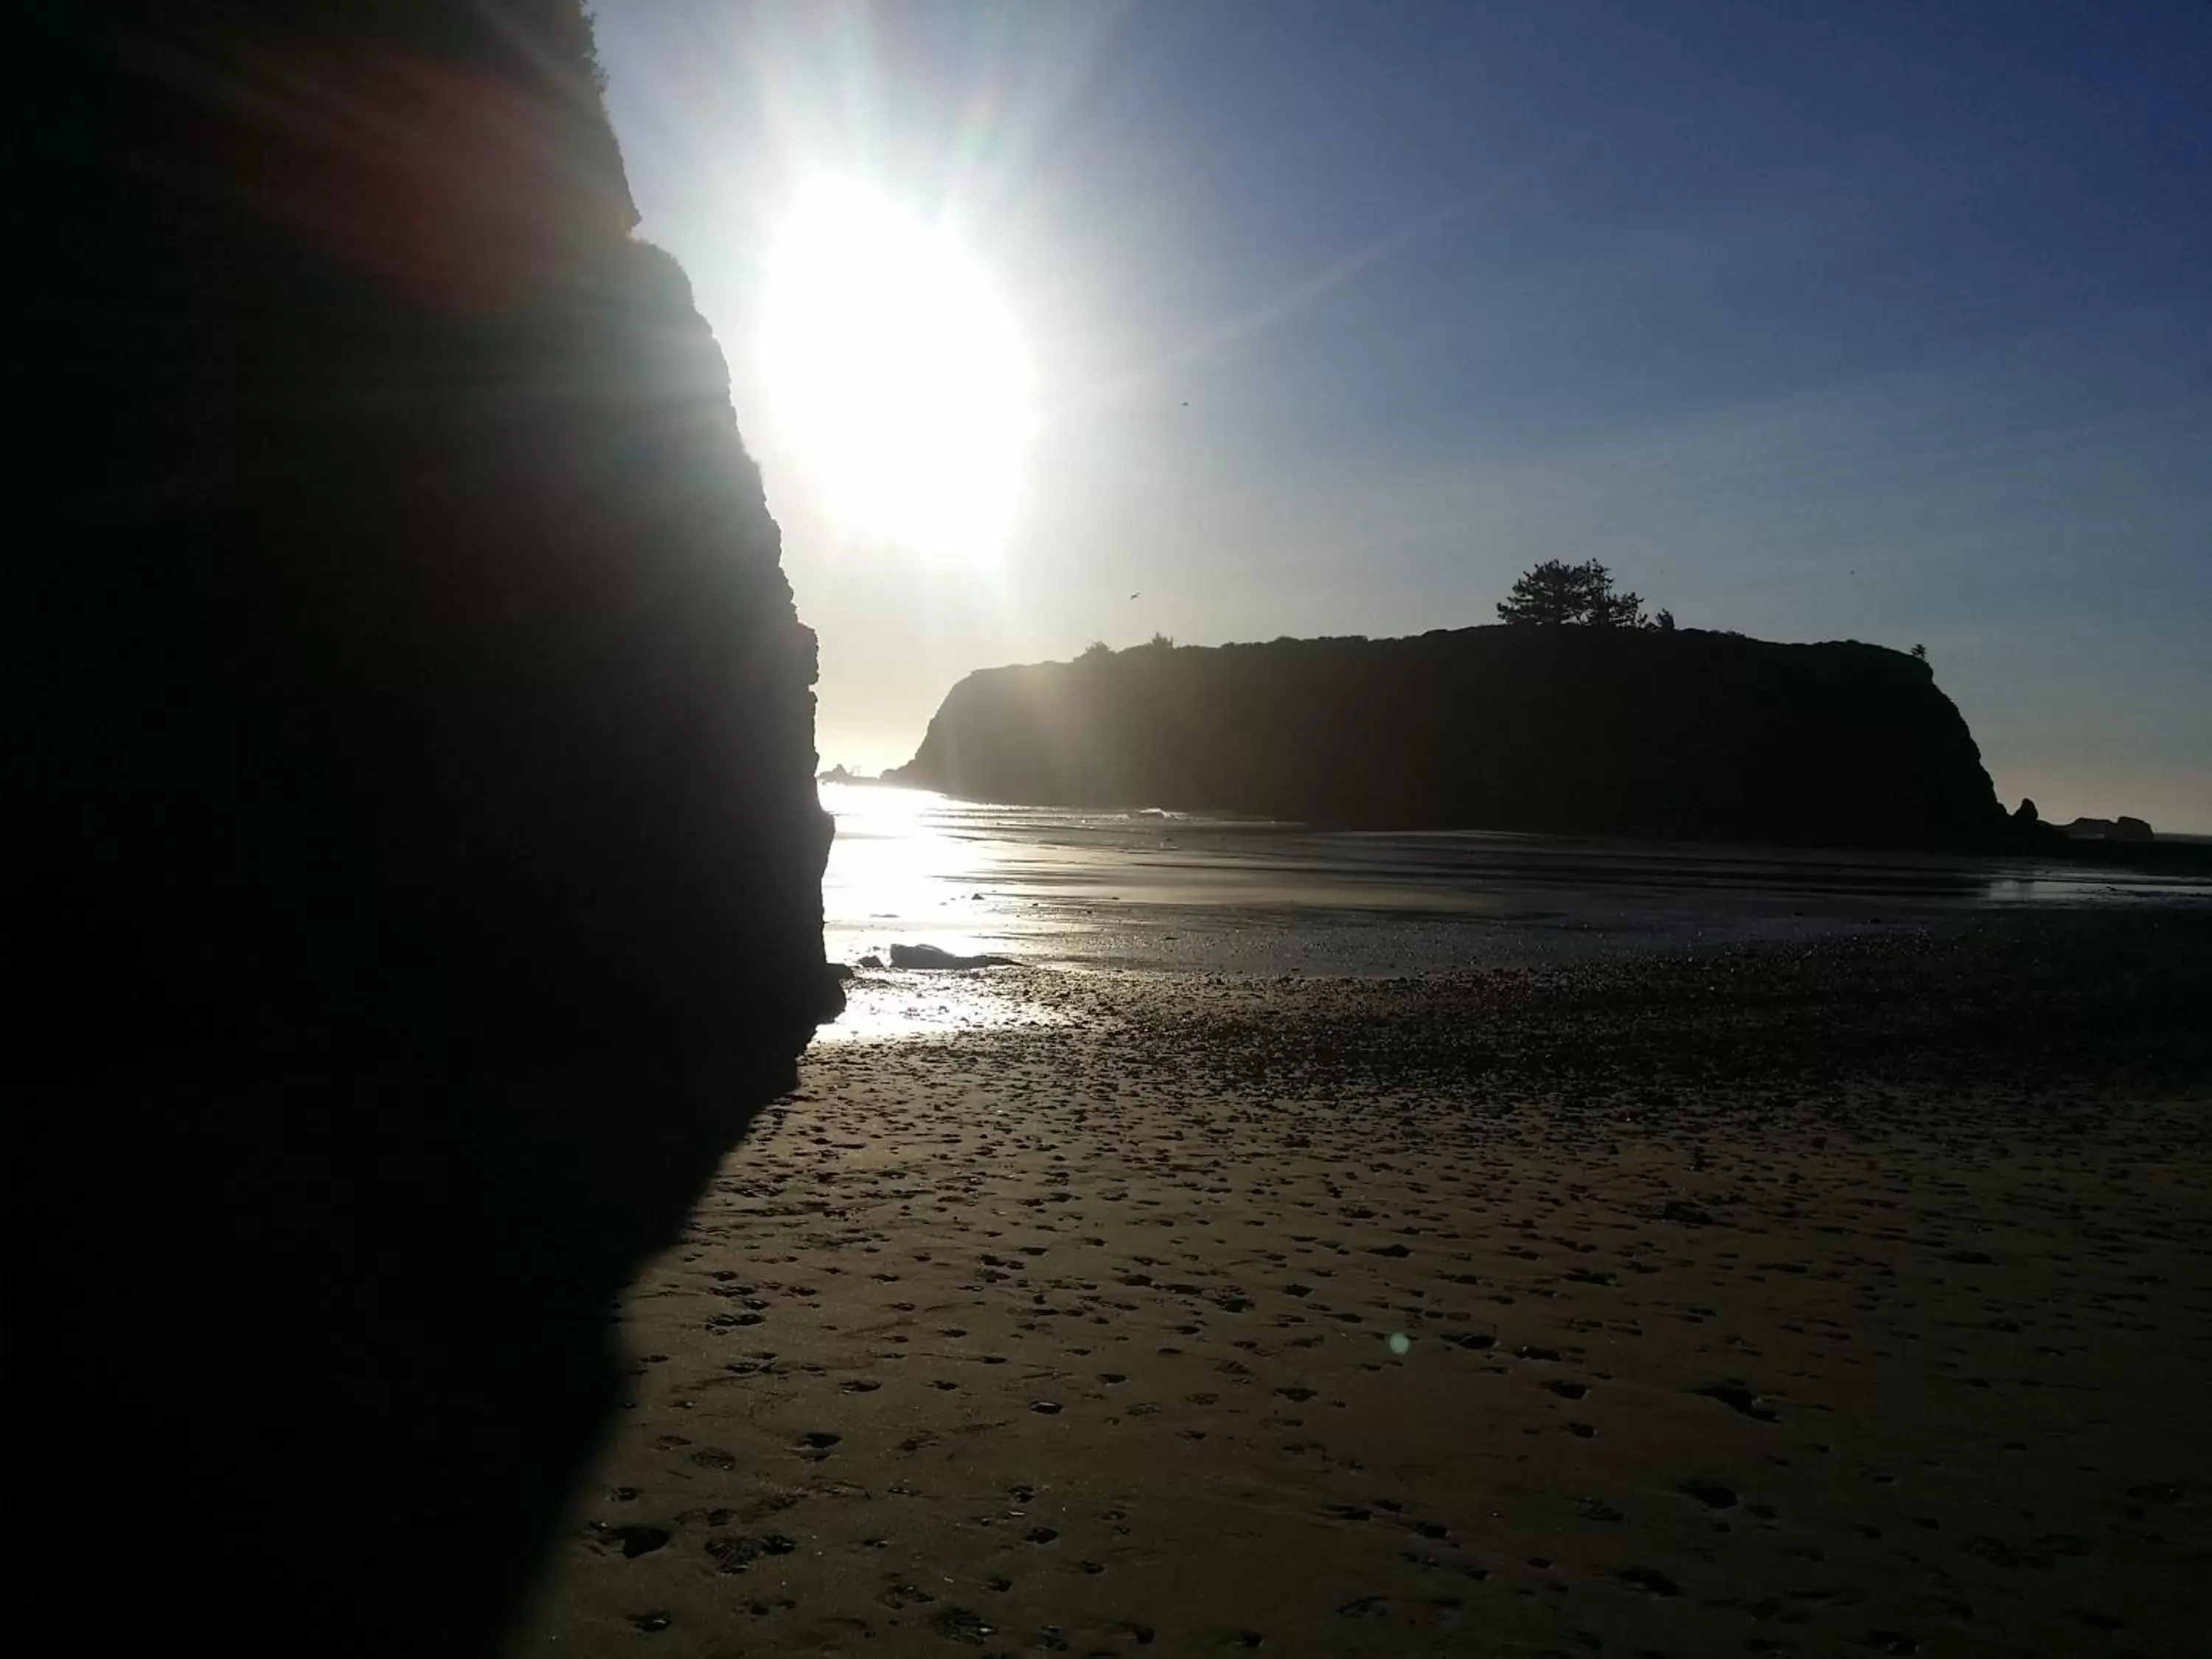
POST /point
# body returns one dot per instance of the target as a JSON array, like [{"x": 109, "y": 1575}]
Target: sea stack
[
  {"x": 420, "y": 882},
  {"x": 1683, "y": 735}
]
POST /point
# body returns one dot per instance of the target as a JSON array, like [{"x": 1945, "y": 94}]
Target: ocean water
[{"x": 1154, "y": 890}]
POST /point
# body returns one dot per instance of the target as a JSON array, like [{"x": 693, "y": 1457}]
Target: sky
[{"x": 1865, "y": 321}]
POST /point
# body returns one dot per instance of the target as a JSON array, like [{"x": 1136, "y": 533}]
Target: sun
[{"x": 897, "y": 373}]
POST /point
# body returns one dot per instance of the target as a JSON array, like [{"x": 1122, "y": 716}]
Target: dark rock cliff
[
  {"x": 414, "y": 880},
  {"x": 1688, "y": 735}
]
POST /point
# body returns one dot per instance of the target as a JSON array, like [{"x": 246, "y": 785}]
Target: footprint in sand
[
  {"x": 961, "y": 1625},
  {"x": 735, "y": 1555},
  {"x": 1739, "y": 1399},
  {"x": 636, "y": 1541}
]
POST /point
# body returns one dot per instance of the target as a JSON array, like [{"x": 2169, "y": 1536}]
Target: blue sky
[{"x": 1816, "y": 321}]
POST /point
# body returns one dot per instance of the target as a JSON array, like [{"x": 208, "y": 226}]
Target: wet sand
[
  {"x": 1855, "y": 1298},
  {"x": 1196, "y": 893}
]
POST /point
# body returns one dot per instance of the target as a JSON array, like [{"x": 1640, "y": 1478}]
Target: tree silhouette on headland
[{"x": 1557, "y": 594}]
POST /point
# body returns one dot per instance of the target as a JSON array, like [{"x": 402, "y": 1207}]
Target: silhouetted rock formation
[
  {"x": 416, "y": 885},
  {"x": 2122, "y": 828},
  {"x": 1687, "y": 734}
]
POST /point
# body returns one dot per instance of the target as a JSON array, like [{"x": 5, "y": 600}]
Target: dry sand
[{"x": 1857, "y": 1300}]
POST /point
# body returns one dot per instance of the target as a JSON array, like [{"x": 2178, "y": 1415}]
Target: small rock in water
[{"x": 931, "y": 956}]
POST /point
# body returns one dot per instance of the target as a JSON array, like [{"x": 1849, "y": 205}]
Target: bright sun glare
[{"x": 898, "y": 373}]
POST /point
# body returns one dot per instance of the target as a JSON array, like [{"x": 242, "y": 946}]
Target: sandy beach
[
  {"x": 910, "y": 828},
  {"x": 1835, "y": 1299}
]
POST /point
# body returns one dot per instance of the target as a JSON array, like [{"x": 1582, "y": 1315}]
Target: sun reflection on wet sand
[
  {"x": 911, "y": 867},
  {"x": 1072, "y": 888},
  {"x": 896, "y": 1004}
]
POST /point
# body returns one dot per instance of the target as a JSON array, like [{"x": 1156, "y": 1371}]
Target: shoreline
[
  {"x": 1204, "y": 896},
  {"x": 1848, "y": 1298}
]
